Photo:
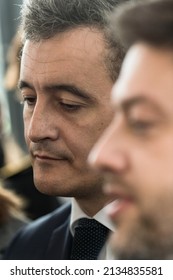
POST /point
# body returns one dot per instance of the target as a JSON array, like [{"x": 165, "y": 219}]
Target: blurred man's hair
[{"x": 149, "y": 21}]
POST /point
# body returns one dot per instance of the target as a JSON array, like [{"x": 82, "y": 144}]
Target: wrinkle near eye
[{"x": 71, "y": 102}]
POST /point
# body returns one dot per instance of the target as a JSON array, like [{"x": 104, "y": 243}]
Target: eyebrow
[
  {"x": 61, "y": 87},
  {"x": 128, "y": 104},
  {"x": 137, "y": 100},
  {"x": 23, "y": 84}
]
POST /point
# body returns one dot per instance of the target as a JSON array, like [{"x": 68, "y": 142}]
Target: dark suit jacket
[{"x": 47, "y": 238}]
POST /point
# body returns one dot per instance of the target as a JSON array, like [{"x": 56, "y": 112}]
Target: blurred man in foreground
[{"x": 136, "y": 151}]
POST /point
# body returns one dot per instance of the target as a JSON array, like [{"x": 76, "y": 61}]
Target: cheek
[
  {"x": 26, "y": 126},
  {"x": 81, "y": 140},
  {"x": 151, "y": 176},
  {"x": 155, "y": 196},
  {"x": 152, "y": 161},
  {"x": 26, "y": 137},
  {"x": 156, "y": 168},
  {"x": 26, "y": 116}
]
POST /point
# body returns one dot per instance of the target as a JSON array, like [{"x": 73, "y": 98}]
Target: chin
[
  {"x": 53, "y": 187},
  {"x": 46, "y": 190},
  {"x": 140, "y": 242},
  {"x": 45, "y": 187}
]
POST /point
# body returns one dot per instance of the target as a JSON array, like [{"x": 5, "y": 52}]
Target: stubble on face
[
  {"x": 145, "y": 237},
  {"x": 146, "y": 233}
]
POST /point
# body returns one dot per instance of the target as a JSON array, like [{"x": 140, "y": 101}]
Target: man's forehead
[
  {"x": 46, "y": 51},
  {"x": 126, "y": 101},
  {"x": 128, "y": 77},
  {"x": 81, "y": 39},
  {"x": 139, "y": 76}
]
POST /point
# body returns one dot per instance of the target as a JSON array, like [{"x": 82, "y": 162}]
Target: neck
[{"x": 92, "y": 206}]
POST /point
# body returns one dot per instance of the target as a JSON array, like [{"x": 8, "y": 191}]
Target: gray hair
[{"x": 43, "y": 19}]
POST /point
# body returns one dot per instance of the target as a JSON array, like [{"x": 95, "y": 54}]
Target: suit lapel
[{"x": 59, "y": 247}]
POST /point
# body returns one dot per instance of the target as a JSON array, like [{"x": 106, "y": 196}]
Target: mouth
[
  {"x": 45, "y": 157},
  {"x": 120, "y": 205}
]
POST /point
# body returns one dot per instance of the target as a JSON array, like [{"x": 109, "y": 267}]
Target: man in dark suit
[
  {"x": 46, "y": 238},
  {"x": 68, "y": 66}
]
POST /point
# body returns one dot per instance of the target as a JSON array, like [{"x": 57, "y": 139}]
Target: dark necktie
[{"x": 89, "y": 238}]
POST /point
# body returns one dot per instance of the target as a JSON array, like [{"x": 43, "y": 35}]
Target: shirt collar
[{"x": 100, "y": 216}]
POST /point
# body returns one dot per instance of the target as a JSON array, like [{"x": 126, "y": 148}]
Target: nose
[
  {"x": 108, "y": 154},
  {"x": 42, "y": 124}
]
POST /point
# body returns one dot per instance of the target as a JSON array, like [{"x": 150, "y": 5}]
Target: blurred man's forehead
[{"x": 145, "y": 77}]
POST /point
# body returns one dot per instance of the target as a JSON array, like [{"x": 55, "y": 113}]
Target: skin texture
[
  {"x": 136, "y": 155},
  {"x": 66, "y": 89}
]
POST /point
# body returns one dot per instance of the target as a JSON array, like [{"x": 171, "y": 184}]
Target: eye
[
  {"x": 29, "y": 100},
  {"x": 141, "y": 126},
  {"x": 70, "y": 106}
]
